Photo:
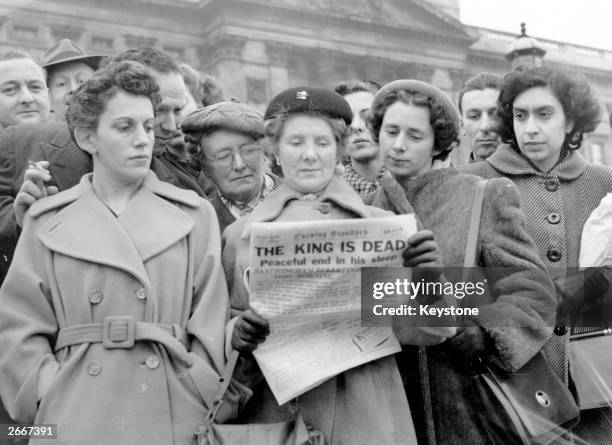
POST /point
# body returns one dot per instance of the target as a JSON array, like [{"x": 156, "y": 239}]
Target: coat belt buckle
[{"x": 118, "y": 332}]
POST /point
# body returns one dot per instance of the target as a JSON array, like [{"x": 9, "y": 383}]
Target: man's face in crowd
[
  {"x": 359, "y": 144},
  {"x": 170, "y": 112},
  {"x": 479, "y": 122},
  {"x": 23, "y": 93},
  {"x": 63, "y": 80}
]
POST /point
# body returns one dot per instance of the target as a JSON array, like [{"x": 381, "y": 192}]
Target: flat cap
[
  {"x": 226, "y": 115},
  {"x": 424, "y": 88},
  {"x": 310, "y": 100},
  {"x": 65, "y": 51}
]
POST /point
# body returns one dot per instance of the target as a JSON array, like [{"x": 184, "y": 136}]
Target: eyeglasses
[{"x": 248, "y": 153}]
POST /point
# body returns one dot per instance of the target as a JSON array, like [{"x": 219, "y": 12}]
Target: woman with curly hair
[
  {"x": 113, "y": 313},
  {"x": 416, "y": 124},
  {"x": 544, "y": 114}
]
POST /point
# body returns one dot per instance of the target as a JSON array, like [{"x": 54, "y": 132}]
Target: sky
[{"x": 585, "y": 22}]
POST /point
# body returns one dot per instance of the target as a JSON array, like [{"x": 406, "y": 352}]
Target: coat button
[
  {"x": 95, "y": 296},
  {"x": 141, "y": 293},
  {"x": 143, "y": 387},
  {"x": 152, "y": 361},
  {"x": 553, "y": 255},
  {"x": 324, "y": 208},
  {"x": 552, "y": 184},
  {"x": 561, "y": 330},
  {"x": 94, "y": 368},
  {"x": 553, "y": 218}
]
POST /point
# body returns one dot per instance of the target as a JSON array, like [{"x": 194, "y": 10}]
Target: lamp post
[{"x": 525, "y": 50}]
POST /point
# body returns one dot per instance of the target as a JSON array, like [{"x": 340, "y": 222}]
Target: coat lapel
[
  {"x": 87, "y": 230},
  {"x": 337, "y": 191}
]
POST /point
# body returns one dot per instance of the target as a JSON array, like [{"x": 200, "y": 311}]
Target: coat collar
[
  {"x": 84, "y": 228},
  {"x": 508, "y": 161},
  {"x": 337, "y": 191}
]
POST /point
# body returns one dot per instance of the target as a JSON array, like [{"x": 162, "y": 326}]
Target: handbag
[
  {"x": 591, "y": 367},
  {"x": 293, "y": 432},
  {"x": 529, "y": 406}
]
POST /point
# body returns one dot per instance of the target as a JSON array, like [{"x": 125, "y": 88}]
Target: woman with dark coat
[
  {"x": 416, "y": 124},
  {"x": 543, "y": 115}
]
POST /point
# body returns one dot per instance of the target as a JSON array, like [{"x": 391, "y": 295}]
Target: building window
[
  {"x": 102, "y": 43},
  {"x": 257, "y": 90},
  {"x": 174, "y": 51},
  {"x": 25, "y": 32},
  {"x": 596, "y": 153}
]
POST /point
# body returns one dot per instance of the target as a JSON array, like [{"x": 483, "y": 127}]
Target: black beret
[
  {"x": 227, "y": 115},
  {"x": 310, "y": 100},
  {"x": 424, "y": 88}
]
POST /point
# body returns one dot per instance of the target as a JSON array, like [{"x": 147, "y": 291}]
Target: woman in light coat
[
  {"x": 416, "y": 124},
  {"x": 113, "y": 313},
  {"x": 366, "y": 404}
]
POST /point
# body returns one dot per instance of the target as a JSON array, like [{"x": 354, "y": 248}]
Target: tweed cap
[
  {"x": 310, "y": 100},
  {"x": 65, "y": 51},
  {"x": 424, "y": 88},
  {"x": 226, "y": 115}
]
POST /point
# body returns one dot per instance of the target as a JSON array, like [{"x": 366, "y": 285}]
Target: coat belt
[{"x": 120, "y": 332}]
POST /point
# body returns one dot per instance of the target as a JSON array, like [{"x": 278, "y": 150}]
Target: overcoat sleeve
[
  {"x": 521, "y": 318},
  {"x": 209, "y": 317},
  {"x": 28, "y": 326},
  {"x": 9, "y": 231}
]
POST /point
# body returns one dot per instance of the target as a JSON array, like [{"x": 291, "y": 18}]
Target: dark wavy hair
[
  {"x": 573, "y": 92},
  {"x": 346, "y": 87},
  {"x": 90, "y": 99},
  {"x": 445, "y": 127},
  {"x": 146, "y": 55},
  {"x": 480, "y": 81}
]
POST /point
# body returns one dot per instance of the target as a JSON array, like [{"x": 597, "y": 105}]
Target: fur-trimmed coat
[
  {"x": 76, "y": 264},
  {"x": 513, "y": 326}
]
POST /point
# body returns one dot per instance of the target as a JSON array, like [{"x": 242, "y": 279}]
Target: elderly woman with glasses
[{"x": 228, "y": 133}]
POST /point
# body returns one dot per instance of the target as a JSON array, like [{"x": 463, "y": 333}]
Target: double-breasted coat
[
  {"x": 364, "y": 405},
  {"x": 114, "y": 327}
]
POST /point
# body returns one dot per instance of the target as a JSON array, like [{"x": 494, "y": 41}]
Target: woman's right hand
[
  {"x": 250, "y": 330},
  {"x": 33, "y": 188}
]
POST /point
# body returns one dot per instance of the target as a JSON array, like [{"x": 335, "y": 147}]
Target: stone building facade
[{"x": 257, "y": 48}]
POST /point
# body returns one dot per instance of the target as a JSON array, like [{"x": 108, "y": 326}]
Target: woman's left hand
[{"x": 422, "y": 251}]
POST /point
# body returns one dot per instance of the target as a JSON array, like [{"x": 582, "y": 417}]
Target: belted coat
[{"x": 148, "y": 294}]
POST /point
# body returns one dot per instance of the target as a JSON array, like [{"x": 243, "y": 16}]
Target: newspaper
[{"x": 304, "y": 277}]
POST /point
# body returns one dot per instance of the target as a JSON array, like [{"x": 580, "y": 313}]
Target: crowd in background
[{"x": 128, "y": 185}]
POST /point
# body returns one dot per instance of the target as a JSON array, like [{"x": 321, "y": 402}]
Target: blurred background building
[{"x": 256, "y": 48}]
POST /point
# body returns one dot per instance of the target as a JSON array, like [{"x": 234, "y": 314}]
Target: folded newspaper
[{"x": 304, "y": 277}]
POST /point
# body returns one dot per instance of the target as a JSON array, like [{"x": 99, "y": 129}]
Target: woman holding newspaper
[
  {"x": 416, "y": 125},
  {"x": 363, "y": 405}
]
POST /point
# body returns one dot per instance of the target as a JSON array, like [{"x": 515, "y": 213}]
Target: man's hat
[{"x": 67, "y": 51}]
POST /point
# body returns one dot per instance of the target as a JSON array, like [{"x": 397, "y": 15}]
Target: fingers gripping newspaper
[{"x": 304, "y": 277}]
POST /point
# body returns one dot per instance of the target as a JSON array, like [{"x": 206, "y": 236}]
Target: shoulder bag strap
[
  {"x": 474, "y": 227},
  {"x": 224, "y": 382}
]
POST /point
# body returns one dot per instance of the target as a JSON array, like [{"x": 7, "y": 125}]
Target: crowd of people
[{"x": 128, "y": 188}]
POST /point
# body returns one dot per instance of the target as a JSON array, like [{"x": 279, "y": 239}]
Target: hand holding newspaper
[{"x": 304, "y": 277}]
